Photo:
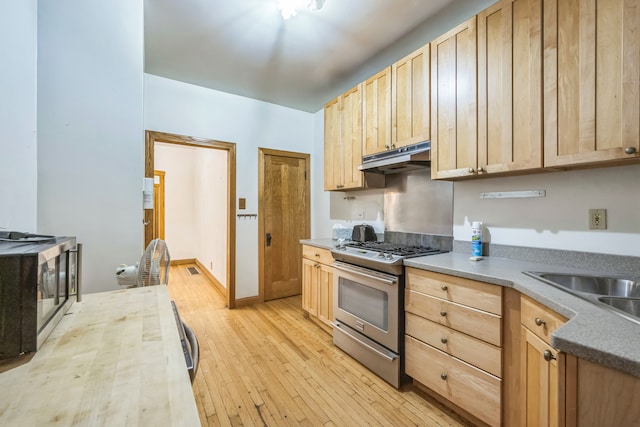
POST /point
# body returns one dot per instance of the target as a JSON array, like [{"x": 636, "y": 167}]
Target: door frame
[
  {"x": 158, "y": 196},
  {"x": 151, "y": 137},
  {"x": 262, "y": 153}
]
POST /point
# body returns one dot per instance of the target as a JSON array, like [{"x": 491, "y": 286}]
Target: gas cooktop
[
  {"x": 19, "y": 236},
  {"x": 398, "y": 249},
  {"x": 381, "y": 256}
]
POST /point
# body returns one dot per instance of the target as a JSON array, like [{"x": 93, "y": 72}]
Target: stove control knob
[
  {"x": 389, "y": 256},
  {"x": 381, "y": 255}
]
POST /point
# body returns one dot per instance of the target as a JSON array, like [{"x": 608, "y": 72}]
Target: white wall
[
  {"x": 178, "y": 162},
  {"x": 211, "y": 211},
  {"x": 90, "y": 130},
  {"x": 18, "y": 168},
  {"x": 180, "y": 108},
  {"x": 559, "y": 220},
  {"x": 195, "y": 204}
]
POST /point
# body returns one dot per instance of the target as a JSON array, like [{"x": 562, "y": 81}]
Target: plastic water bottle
[{"x": 476, "y": 239}]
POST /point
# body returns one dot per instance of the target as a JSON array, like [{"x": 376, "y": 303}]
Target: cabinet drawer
[
  {"x": 549, "y": 321},
  {"x": 472, "y": 350},
  {"x": 463, "y": 291},
  {"x": 320, "y": 255},
  {"x": 473, "y": 390},
  {"x": 477, "y": 323}
]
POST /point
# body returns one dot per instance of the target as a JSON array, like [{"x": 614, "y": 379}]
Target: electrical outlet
[{"x": 598, "y": 219}]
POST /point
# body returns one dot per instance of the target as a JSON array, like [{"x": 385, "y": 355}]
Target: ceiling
[{"x": 245, "y": 47}]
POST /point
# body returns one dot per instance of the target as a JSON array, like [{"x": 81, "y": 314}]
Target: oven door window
[
  {"x": 52, "y": 288},
  {"x": 367, "y": 303}
]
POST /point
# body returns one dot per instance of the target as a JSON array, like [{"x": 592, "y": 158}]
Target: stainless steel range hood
[{"x": 403, "y": 159}]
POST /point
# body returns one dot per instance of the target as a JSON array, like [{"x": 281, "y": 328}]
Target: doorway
[
  {"x": 284, "y": 214},
  {"x": 151, "y": 138}
]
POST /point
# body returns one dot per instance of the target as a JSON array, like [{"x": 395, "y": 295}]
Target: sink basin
[
  {"x": 628, "y": 305},
  {"x": 599, "y": 285}
]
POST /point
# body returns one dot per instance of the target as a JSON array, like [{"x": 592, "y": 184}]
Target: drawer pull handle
[
  {"x": 443, "y": 376},
  {"x": 548, "y": 356},
  {"x": 443, "y": 340},
  {"x": 317, "y": 254},
  {"x": 444, "y": 287},
  {"x": 540, "y": 322},
  {"x": 443, "y": 313}
]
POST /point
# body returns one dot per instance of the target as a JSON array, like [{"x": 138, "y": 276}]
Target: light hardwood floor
[{"x": 268, "y": 365}]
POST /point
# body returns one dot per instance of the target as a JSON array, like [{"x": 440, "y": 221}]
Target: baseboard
[
  {"x": 182, "y": 261},
  {"x": 243, "y": 302},
  {"x": 215, "y": 282}
]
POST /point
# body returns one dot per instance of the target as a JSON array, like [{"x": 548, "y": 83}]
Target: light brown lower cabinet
[
  {"x": 453, "y": 342},
  {"x": 317, "y": 285}
]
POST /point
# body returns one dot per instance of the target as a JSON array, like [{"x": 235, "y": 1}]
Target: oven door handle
[
  {"x": 387, "y": 280},
  {"x": 364, "y": 343}
]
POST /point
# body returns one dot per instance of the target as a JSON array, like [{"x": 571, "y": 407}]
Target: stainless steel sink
[
  {"x": 618, "y": 295},
  {"x": 599, "y": 285},
  {"x": 628, "y": 305}
]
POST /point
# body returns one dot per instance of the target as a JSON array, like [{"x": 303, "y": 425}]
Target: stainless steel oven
[
  {"x": 367, "y": 312},
  {"x": 369, "y": 304}
]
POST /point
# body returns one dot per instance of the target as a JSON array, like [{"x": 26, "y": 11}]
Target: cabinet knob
[
  {"x": 317, "y": 254},
  {"x": 444, "y": 340},
  {"x": 471, "y": 170},
  {"x": 443, "y": 313},
  {"x": 443, "y": 376},
  {"x": 480, "y": 169},
  {"x": 444, "y": 287},
  {"x": 548, "y": 356},
  {"x": 393, "y": 145},
  {"x": 630, "y": 150},
  {"x": 387, "y": 146},
  {"x": 540, "y": 322}
]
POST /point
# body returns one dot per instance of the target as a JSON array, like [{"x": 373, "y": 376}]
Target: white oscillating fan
[{"x": 153, "y": 268}]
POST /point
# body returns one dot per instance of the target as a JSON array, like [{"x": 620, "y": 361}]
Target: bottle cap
[{"x": 476, "y": 224}]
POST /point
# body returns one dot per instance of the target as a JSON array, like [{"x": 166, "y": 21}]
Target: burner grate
[{"x": 395, "y": 248}]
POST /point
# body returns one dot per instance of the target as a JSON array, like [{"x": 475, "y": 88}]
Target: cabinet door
[
  {"x": 591, "y": 81},
  {"x": 454, "y": 110},
  {"x": 332, "y": 145},
  {"x": 310, "y": 287},
  {"x": 411, "y": 99},
  {"x": 541, "y": 382},
  {"x": 351, "y": 123},
  {"x": 510, "y": 86},
  {"x": 325, "y": 294},
  {"x": 376, "y": 100}
]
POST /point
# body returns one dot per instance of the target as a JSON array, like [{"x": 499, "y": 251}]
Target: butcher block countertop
[{"x": 114, "y": 359}]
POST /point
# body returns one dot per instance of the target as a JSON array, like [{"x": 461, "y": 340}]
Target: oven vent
[{"x": 193, "y": 270}]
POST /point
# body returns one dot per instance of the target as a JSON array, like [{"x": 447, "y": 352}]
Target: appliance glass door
[
  {"x": 367, "y": 301},
  {"x": 52, "y": 288}
]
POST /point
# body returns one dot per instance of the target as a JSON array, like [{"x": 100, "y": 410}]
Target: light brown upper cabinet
[
  {"x": 332, "y": 145},
  {"x": 454, "y": 124},
  {"x": 377, "y": 112},
  {"x": 343, "y": 143},
  {"x": 591, "y": 82},
  {"x": 510, "y": 87},
  {"x": 411, "y": 99}
]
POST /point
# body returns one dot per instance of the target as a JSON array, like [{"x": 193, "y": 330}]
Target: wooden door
[
  {"x": 158, "y": 204},
  {"x": 510, "y": 86},
  {"x": 411, "y": 99},
  {"x": 540, "y": 379},
  {"x": 591, "y": 82},
  {"x": 376, "y": 120},
  {"x": 333, "y": 159},
  {"x": 351, "y": 124},
  {"x": 285, "y": 219},
  {"x": 454, "y": 110}
]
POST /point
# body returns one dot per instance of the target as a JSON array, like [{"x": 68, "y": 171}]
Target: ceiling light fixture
[{"x": 289, "y": 8}]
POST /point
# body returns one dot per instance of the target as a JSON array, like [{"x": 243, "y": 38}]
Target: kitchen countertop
[
  {"x": 592, "y": 333},
  {"x": 114, "y": 359}
]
